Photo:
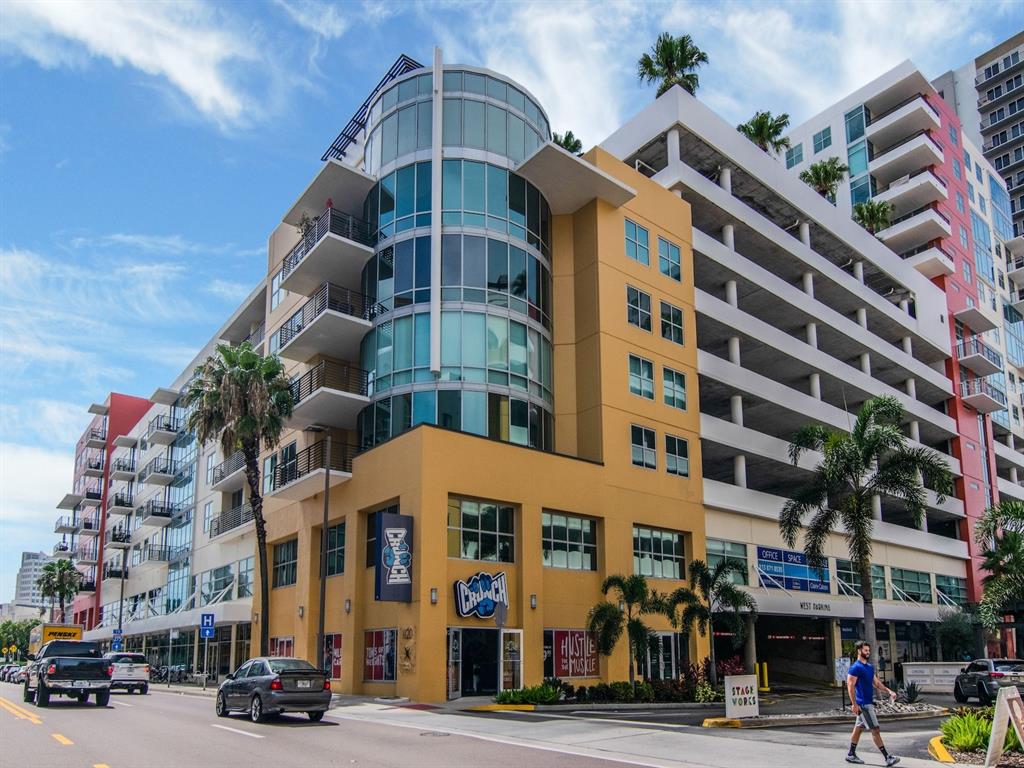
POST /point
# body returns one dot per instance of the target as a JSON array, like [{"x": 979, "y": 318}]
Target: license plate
[
  {"x": 303, "y": 683},
  {"x": 82, "y": 684}
]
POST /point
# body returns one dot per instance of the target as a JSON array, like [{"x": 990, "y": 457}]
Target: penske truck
[{"x": 44, "y": 633}]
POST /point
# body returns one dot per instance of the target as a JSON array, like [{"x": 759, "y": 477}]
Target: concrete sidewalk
[{"x": 619, "y": 740}]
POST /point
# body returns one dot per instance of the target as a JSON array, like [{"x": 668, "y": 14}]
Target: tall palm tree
[
  {"x": 1001, "y": 532},
  {"x": 60, "y": 580},
  {"x": 873, "y": 215},
  {"x": 873, "y": 459},
  {"x": 672, "y": 60},
  {"x": 825, "y": 176},
  {"x": 241, "y": 399},
  {"x": 765, "y": 130},
  {"x": 607, "y": 620},
  {"x": 568, "y": 142},
  {"x": 712, "y": 596}
]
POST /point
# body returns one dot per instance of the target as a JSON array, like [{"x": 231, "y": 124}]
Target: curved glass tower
[{"x": 474, "y": 352}]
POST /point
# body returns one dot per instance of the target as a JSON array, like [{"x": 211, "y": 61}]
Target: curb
[
  {"x": 787, "y": 722},
  {"x": 938, "y": 751},
  {"x": 503, "y": 708},
  {"x": 660, "y": 705}
]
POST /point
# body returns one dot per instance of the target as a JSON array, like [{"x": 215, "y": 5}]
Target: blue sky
[{"x": 147, "y": 150}]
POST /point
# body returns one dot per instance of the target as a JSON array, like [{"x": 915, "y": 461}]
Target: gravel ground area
[{"x": 1008, "y": 760}]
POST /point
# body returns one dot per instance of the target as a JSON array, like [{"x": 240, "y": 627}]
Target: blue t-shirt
[{"x": 865, "y": 688}]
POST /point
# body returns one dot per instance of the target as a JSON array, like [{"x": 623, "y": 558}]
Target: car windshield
[
  {"x": 290, "y": 665},
  {"x": 1011, "y": 665}
]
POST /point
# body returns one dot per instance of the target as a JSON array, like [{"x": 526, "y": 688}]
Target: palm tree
[
  {"x": 568, "y": 142},
  {"x": 242, "y": 398},
  {"x": 60, "y": 580},
  {"x": 873, "y": 459},
  {"x": 873, "y": 215},
  {"x": 607, "y": 620},
  {"x": 712, "y": 596},
  {"x": 1001, "y": 532},
  {"x": 672, "y": 61},
  {"x": 825, "y": 176},
  {"x": 765, "y": 130}
]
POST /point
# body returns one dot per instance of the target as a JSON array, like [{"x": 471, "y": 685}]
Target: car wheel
[
  {"x": 256, "y": 709},
  {"x": 958, "y": 695},
  {"x": 316, "y": 717},
  {"x": 42, "y": 695},
  {"x": 222, "y": 706},
  {"x": 82, "y": 697},
  {"x": 144, "y": 689},
  {"x": 29, "y": 695},
  {"x": 102, "y": 698},
  {"x": 983, "y": 698}
]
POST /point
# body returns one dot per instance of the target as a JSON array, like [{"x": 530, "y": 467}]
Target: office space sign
[
  {"x": 784, "y": 569},
  {"x": 574, "y": 653},
  {"x": 393, "y": 580},
  {"x": 480, "y": 595}
]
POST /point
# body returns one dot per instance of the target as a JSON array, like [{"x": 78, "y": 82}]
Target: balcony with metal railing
[
  {"x": 908, "y": 193},
  {"x": 335, "y": 248},
  {"x": 93, "y": 466},
  {"x": 234, "y": 521},
  {"x": 915, "y": 228},
  {"x": 63, "y": 549},
  {"x": 982, "y": 395},
  {"x": 123, "y": 468},
  {"x": 331, "y": 394},
  {"x": 96, "y": 437},
  {"x": 159, "y": 471},
  {"x": 90, "y": 525},
  {"x": 67, "y": 524},
  {"x": 917, "y": 151},
  {"x": 92, "y": 494},
  {"x": 930, "y": 259},
  {"x": 982, "y": 79},
  {"x": 120, "y": 503},
  {"x": 113, "y": 572},
  {"x": 908, "y": 117},
  {"x": 986, "y": 102},
  {"x": 87, "y": 586},
  {"x": 303, "y": 476},
  {"x": 332, "y": 323},
  {"x": 156, "y": 513},
  {"x": 164, "y": 429},
  {"x": 118, "y": 537},
  {"x": 255, "y": 337},
  {"x": 88, "y": 552},
  {"x": 229, "y": 475},
  {"x": 978, "y": 356}
]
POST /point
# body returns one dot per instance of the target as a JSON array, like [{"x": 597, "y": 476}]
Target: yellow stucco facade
[{"x": 590, "y": 474}]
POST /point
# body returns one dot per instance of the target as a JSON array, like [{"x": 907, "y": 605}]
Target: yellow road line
[
  {"x": 61, "y": 739},
  {"x": 20, "y": 712},
  {"x": 101, "y": 765}
]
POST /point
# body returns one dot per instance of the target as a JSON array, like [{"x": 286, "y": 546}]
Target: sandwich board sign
[
  {"x": 1009, "y": 710},
  {"x": 741, "y": 696}
]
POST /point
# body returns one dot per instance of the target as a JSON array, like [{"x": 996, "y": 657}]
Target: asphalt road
[{"x": 165, "y": 729}]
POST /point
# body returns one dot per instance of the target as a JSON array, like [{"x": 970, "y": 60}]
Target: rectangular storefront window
[
  {"x": 379, "y": 655},
  {"x": 336, "y": 549},
  {"x": 481, "y": 530},
  {"x": 658, "y": 553},
  {"x": 730, "y": 552},
  {"x": 570, "y": 653},
  {"x": 569, "y": 541},
  {"x": 332, "y": 654},
  {"x": 952, "y": 587},
  {"x": 286, "y": 560},
  {"x": 282, "y": 646},
  {"x": 917, "y": 585},
  {"x": 847, "y": 574}
]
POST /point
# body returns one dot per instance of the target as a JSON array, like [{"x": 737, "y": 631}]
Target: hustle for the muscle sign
[{"x": 574, "y": 653}]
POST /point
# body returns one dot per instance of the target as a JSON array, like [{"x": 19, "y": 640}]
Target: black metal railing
[
  {"x": 120, "y": 499},
  {"x": 914, "y": 175},
  {"x": 332, "y": 297},
  {"x": 982, "y": 387},
  {"x": 330, "y": 221},
  {"x": 344, "y": 378},
  {"x": 233, "y": 518},
  {"x": 930, "y": 245},
  {"x": 312, "y": 459},
  {"x": 154, "y": 508},
  {"x": 94, "y": 463},
  {"x": 907, "y": 140},
  {"x": 87, "y": 552},
  {"x": 230, "y": 465},
  {"x": 123, "y": 464},
  {"x": 97, "y": 433},
  {"x": 67, "y": 521},
  {"x": 92, "y": 492},
  {"x": 165, "y": 423},
  {"x": 114, "y": 572},
  {"x": 975, "y": 346},
  {"x": 161, "y": 465},
  {"x": 922, "y": 209},
  {"x": 118, "y": 535},
  {"x": 87, "y": 585},
  {"x": 255, "y": 337},
  {"x": 159, "y": 554},
  {"x": 91, "y": 523},
  {"x": 901, "y": 105}
]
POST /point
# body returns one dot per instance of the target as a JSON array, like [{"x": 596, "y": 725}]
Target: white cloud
[
  {"x": 227, "y": 290},
  {"x": 32, "y": 481},
  {"x": 46, "y": 422},
  {"x": 319, "y": 18},
  {"x": 187, "y": 43}
]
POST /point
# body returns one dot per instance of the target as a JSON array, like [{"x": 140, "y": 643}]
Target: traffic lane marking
[
  {"x": 62, "y": 739},
  {"x": 236, "y": 730},
  {"x": 20, "y": 712},
  {"x": 100, "y": 765},
  {"x": 121, "y": 703}
]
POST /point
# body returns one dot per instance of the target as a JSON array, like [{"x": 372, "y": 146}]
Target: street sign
[
  {"x": 117, "y": 632},
  {"x": 207, "y": 633},
  {"x": 206, "y": 620},
  {"x": 116, "y": 645}
]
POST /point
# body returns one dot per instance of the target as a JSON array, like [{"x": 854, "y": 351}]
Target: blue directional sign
[
  {"x": 115, "y": 644},
  {"x": 117, "y": 632},
  {"x": 206, "y": 629},
  {"x": 207, "y": 633}
]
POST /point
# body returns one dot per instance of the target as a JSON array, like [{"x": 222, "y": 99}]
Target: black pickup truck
[{"x": 70, "y": 668}]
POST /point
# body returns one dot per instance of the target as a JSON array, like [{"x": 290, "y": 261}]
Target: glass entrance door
[
  {"x": 511, "y": 659},
  {"x": 661, "y": 657},
  {"x": 454, "y": 662}
]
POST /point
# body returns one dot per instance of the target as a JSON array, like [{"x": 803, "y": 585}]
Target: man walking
[{"x": 860, "y": 684}]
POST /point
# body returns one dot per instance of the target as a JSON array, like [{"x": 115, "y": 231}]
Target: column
[
  {"x": 915, "y": 431},
  {"x": 736, "y": 409},
  {"x": 725, "y": 178},
  {"x": 805, "y": 233},
  {"x": 808, "y": 285},
  {"x": 858, "y": 271},
  {"x": 876, "y": 507},
  {"x": 1010, "y": 442},
  {"x": 865, "y": 363},
  {"x": 731, "y": 297},
  {"x": 739, "y": 470},
  {"x": 1013, "y": 475},
  {"x": 862, "y": 317},
  {"x": 749, "y": 645},
  {"x": 905, "y": 305},
  {"x": 672, "y": 145},
  {"x": 814, "y": 385},
  {"x": 910, "y": 385},
  {"x": 734, "y": 350},
  {"x": 729, "y": 237},
  {"x": 233, "y": 662},
  {"x": 908, "y": 345},
  {"x": 924, "y": 522},
  {"x": 812, "y": 334}
]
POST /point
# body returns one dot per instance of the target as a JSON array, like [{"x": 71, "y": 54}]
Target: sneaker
[
  {"x": 854, "y": 759},
  {"x": 891, "y": 760}
]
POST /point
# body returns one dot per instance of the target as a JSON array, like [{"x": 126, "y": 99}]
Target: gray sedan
[{"x": 271, "y": 685}]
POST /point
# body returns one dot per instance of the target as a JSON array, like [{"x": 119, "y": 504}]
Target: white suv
[{"x": 130, "y": 671}]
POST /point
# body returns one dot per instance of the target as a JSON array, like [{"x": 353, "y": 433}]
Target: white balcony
[
  {"x": 120, "y": 504},
  {"x": 62, "y": 550},
  {"x": 913, "y": 229},
  {"x": 229, "y": 475},
  {"x": 90, "y": 526},
  {"x": 122, "y": 468},
  {"x": 164, "y": 429},
  {"x": 332, "y": 323},
  {"x": 346, "y": 186},
  {"x": 975, "y": 319},
  {"x": 118, "y": 538},
  {"x": 70, "y": 501},
  {"x": 1015, "y": 270},
  {"x": 982, "y": 396},
  {"x": 908, "y": 193},
  {"x": 92, "y": 497},
  {"x": 930, "y": 260},
  {"x": 68, "y": 524},
  {"x": 160, "y": 471},
  {"x": 96, "y": 438},
  {"x": 157, "y": 514},
  {"x": 93, "y": 467},
  {"x": 979, "y": 357},
  {"x": 334, "y": 250},
  {"x": 903, "y": 120},
  {"x": 87, "y": 555},
  {"x": 303, "y": 476},
  {"x": 329, "y": 394},
  {"x": 904, "y": 158},
  {"x": 1010, "y": 490},
  {"x": 232, "y": 523}
]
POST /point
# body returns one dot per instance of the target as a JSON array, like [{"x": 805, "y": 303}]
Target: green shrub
[
  {"x": 644, "y": 693},
  {"x": 601, "y": 694},
  {"x": 705, "y": 693},
  {"x": 537, "y": 694},
  {"x": 622, "y": 693},
  {"x": 967, "y": 732},
  {"x": 911, "y": 693}
]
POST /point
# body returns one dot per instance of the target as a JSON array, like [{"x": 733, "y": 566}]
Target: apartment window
[
  {"x": 822, "y": 139},
  {"x": 641, "y": 377},
  {"x": 855, "y": 124},
  {"x": 269, "y": 469},
  {"x": 916, "y": 585},
  {"x": 963, "y": 235},
  {"x": 658, "y": 553},
  {"x": 209, "y": 468},
  {"x": 671, "y": 322},
  {"x": 953, "y": 137},
  {"x": 644, "y": 452},
  {"x": 967, "y": 271},
  {"x": 274, "y": 342},
  {"x": 336, "y": 549},
  {"x": 674, "y": 388},
  {"x": 730, "y": 552},
  {"x": 978, "y": 172},
  {"x": 952, "y": 587},
  {"x": 637, "y": 243},
  {"x": 207, "y": 516},
  {"x": 275, "y": 289},
  {"x": 569, "y": 541},
  {"x": 379, "y": 660},
  {"x": 849, "y": 576},
  {"x": 967, "y": 160},
  {"x": 677, "y": 456},
  {"x": 481, "y": 530},
  {"x": 245, "y": 576},
  {"x": 794, "y": 155},
  {"x": 286, "y": 561},
  {"x": 282, "y": 646},
  {"x": 960, "y": 202},
  {"x": 668, "y": 259},
  {"x": 956, "y": 168},
  {"x": 638, "y": 308},
  {"x": 970, "y": 191},
  {"x": 860, "y": 190},
  {"x": 857, "y": 159}
]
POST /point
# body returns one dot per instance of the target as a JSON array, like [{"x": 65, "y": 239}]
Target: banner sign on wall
[
  {"x": 394, "y": 558},
  {"x": 784, "y": 569},
  {"x": 574, "y": 652},
  {"x": 480, "y": 595}
]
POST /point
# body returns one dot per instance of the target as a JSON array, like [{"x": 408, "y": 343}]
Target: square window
[
  {"x": 641, "y": 377},
  {"x": 637, "y": 243},
  {"x": 668, "y": 259},
  {"x": 638, "y": 308},
  {"x": 644, "y": 452},
  {"x": 480, "y": 530},
  {"x": 674, "y": 388},
  {"x": 677, "y": 456},
  {"x": 794, "y": 155},
  {"x": 671, "y": 323},
  {"x": 822, "y": 139},
  {"x": 658, "y": 553},
  {"x": 568, "y": 541}
]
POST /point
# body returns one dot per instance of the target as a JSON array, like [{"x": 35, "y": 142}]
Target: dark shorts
[{"x": 868, "y": 718}]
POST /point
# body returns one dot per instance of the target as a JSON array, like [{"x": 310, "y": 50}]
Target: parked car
[
  {"x": 68, "y": 668},
  {"x": 9, "y": 673},
  {"x": 130, "y": 671},
  {"x": 21, "y": 675},
  {"x": 269, "y": 686},
  {"x": 983, "y": 678},
  {"x": 5, "y": 669}
]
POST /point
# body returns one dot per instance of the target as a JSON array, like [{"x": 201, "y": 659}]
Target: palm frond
[{"x": 606, "y": 622}]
